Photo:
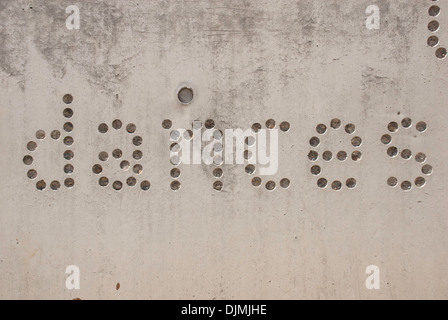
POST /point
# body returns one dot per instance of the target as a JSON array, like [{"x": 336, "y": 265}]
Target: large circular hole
[{"x": 185, "y": 95}]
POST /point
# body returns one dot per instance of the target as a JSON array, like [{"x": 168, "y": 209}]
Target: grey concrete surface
[{"x": 302, "y": 61}]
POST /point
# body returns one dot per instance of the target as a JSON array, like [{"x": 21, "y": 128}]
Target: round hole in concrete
[
  {"x": 167, "y": 124},
  {"x": 31, "y": 146},
  {"x": 218, "y": 185},
  {"x": 420, "y": 182},
  {"x": 185, "y": 95},
  {"x": 285, "y": 183},
  {"x": 131, "y": 128},
  {"x": 433, "y": 26},
  {"x": 117, "y": 185},
  {"x": 427, "y": 169},
  {"x": 421, "y": 126},
  {"x": 314, "y": 142},
  {"x": 313, "y": 156},
  {"x": 117, "y": 124},
  {"x": 434, "y": 11},
  {"x": 175, "y": 185},
  {"x": 270, "y": 124},
  {"x": 40, "y": 134},
  {"x": 125, "y": 165},
  {"x": 69, "y": 182},
  {"x": 68, "y": 141},
  {"x": 350, "y": 183},
  {"x": 145, "y": 185},
  {"x": 335, "y": 123},
  {"x": 103, "y": 181},
  {"x": 315, "y": 170},
  {"x": 322, "y": 183},
  {"x": 342, "y": 156},
  {"x": 250, "y": 169},
  {"x": 321, "y": 128},
  {"x": 406, "y": 186},
  {"x": 356, "y": 142},
  {"x": 420, "y": 157},
  {"x": 392, "y": 126},
  {"x": 433, "y": 41},
  {"x": 137, "y": 154},
  {"x": 336, "y": 185},
  {"x": 137, "y": 141},
  {"x": 256, "y": 182},
  {"x": 68, "y": 169},
  {"x": 392, "y": 152},
  {"x": 350, "y": 128},
  {"x": 356, "y": 155},
  {"x": 67, "y": 98},
  {"x": 285, "y": 126},
  {"x": 31, "y": 174},
  {"x": 41, "y": 185},
  {"x": 209, "y": 124},
  {"x": 103, "y": 156},
  {"x": 117, "y": 153},
  {"x": 175, "y": 173},
  {"x": 327, "y": 155},
  {"x": 68, "y": 113},
  {"x": 406, "y": 154},
  {"x": 55, "y": 185},
  {"x": 441, "y": 53},
  {"x": 386, "y": 139},
  {"x": 68, "y": 127},
  {"x": 137, "y": 169},
  {"x": 392, "y": 182},
  {"x": 131, "y": 181},
  {"x": 256, "y": 127},
  {"x": 97, "y": 169},
  {"x": 270, "y": 185},
  {"x": 218, "y": 173},
  {"x": 55, "y": 134}
]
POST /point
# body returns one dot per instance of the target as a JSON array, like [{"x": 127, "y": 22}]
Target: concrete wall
[{"x": 302, "y": 61}]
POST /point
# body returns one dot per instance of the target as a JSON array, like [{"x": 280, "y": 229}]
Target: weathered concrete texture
[{"x": 304, "y": 61}]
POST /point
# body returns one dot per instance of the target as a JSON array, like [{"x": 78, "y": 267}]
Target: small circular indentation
[
  {"x": 433, "y": 26},
  {"x": 68, "y": 127},
  {"x": 103, "y": 128},
  {"x": 137, "y": 169},
  {"x": 406, "y": 154},
  {"x": 406, "y": 122},
  {"x": 40, "y": 134},
  {"x": 166, "y": 124},
  {"x": 313, "y": 156},
  {"x": 31, "y": 146},
  {"x": 356, "y": 142},
  {"x": 69, "y": 182},
  {"x": 441, "y": 53},
  {"x": 392, "y": 126},
  {"x": 67, "y": 113},
  {"x": 55, "y": 134},
  {"x": 250, "y": 169},
  {"x": 342, "y": 155},
  {"x": 117, "y": 153},
  {"x": 427, "y": 169},
  {"x": 31, "y": 174},
  {"x": 350, "y": 128},
  {"x": 392, "y": 152},
  {"x": 285, "y": 126},
  {"x": 420, "y": 157},
  {"x": 145, "y": 185},
  {"x": 321, "y": 128},
  {"x": 137, "y": 154},
  {"x": 117, "y": 124},
  {"x": 97, "y": 169},
  {"x": 103, "y": 156},
  {"x": 68, "y": 141},
  {"x": 209, "y": 124},
  {"x": 433, "y": 41},
  {"x": 434, "y": 11},
  {"x": 125, "y": 165},
  {"x": 256, "y": 127},
  {"x": 67, "y": 98},
  {"x": 322, "y": 183},
  {"x": 270, "y": 185},
  {"x": 406, "y": 186},
  {"x": 175, "y": 173},
  {"x": 350, "y": 183},
  {"x": 68, "y": 169},
  {"x": 117, "y": 185},
  {"x": 327, "y": 156},
  {"x": 335, "y": 123},
  {"x": 103, "y": 181},
  {"x": 68, "y": 155},
  {"x": 316, "y": 170},
  {"x": 270, "y": 124},
  {"x": 131, "y": 181},
  {"x": 336, "y": 185},
  {"x": 131, "y": 128},
  {"x": 285, "y": 183},
  {"x": 217, "y": 173},
  {"x": 185, "y": 95},
  {"x": 137, "y": 141},
  {"x": 356, "y": 155},
  {"x": 175, "y": 185},
  {"x": 421, "y": 126},
  {"x": 420, "y": 182},
  {"x": 218, "y": 185},
  {"x": 55, "y": 185},
  {"x": 314, "y": 142},
  {"x": 41, "y": 185},
  {"x": 386, "y": 139},
  {"x": 392, "y": 182},
  {"x": 256, "y": 182}
]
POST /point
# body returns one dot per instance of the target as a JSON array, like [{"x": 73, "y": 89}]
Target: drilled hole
[
  {"x": 218, "y": 185},
  {"x": 68, "y": 155},
  {"x": 55, "y": 134},
  {"x": 102, "y": 128},
  {"x": 175, "y": 160},
  {"x": 335, "y": 123},
  {"x": 434, "y": 11},
  {"x": 117, "y": 124},
  {"x": 41, "y": 185},
  {"x": 124, "y": 165},
  {"x": 392, "y": 152},
  {"x": 137, "y": 154},
  {"x": 441, "y": 53},
  {"x": 103, "y": 181},
  {"x": 256, "y": 127},
  {"x": 67, "y": 98},
  {"x": 28, "y": 160},
  {"x": 188, "y": 135},
  {"x": 433, "y": 41},
  {"x": 250, "y": 169},
  {"x": 137, "y": 169},
  {"x": 97, "y": 169},
  {"x": 321, "y": 128},
  {"x": 316, "y": 170},
  {"x": 31, "y": 174},
  {"x": 69, "y": 182},
  {"x": 270, "y": 124},
  {"x": 313, "y": 156},
  {"x": 314, "y": 142},
  {"x": 342, "y": 155},
  {"x": 174, "y": 135},
  {"x": 256, "y": 182},
  {"x": 406, "y": 185},
  {"x": 406, "y": 154},
  {"x": 327, "y": 156},
  {"x": 31, "y": 146},
  {"x": 285, "y": 126},
  {"x": 117, "y": 185},
  {"x": 103, "y": 156},
  {"x": 336, "y": 185},
  {"x": 427, "y": 169},
  {"x": 117, "y": 153},
  {"x": 68, "y": 141},
  {"x": 175, "y": 147},
  {"x": 420, "y": 157},
  {"x": 392, "y": 127},
  {"x": 145, "y": 185},
  {"x": 351, "y": 183},
  {"x": 131, "y": 128},
  {"x": 356, "y": 155},
  {"x": 218, "y": 173},
  {"x": 285, "y": 183},
  {"x": 421, "y": 126},
  {"x": 131, "y": 181},
  {"x": 392, "y": 182},
  {"x": 68, "y": 169},
  {"x": 185, "y": 95},
  {"x": 420, "y": 182},
  {"x": 322, "y": 183},
  {"x": 55, "y": 185},
  {"x": 40, "y": 134},
  {"x": 68, "y": 113},
  {"x": 166, "y": 124},
  {"x": 68, "y": 127},
  {"x": 175, "y": 173},
  {"x": 433, "y": 26},
  {"x": 350, "y": 128},
  {"x": 406, "y": 122},
  {"x": 386, "y": 139},
  {"x": 270, "y": 185},
  {"x": 175, "y": 185},
  {"x": 209, "y": 124},
  {"x": 356, "y": 142},
  {"x": 250, "y": 141},
  {"x": 247, "y": 154}
]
